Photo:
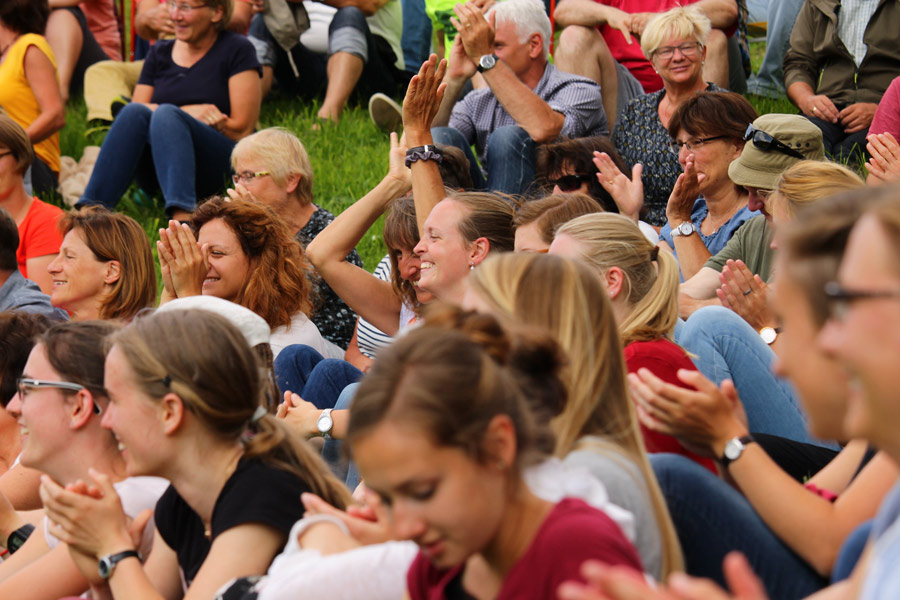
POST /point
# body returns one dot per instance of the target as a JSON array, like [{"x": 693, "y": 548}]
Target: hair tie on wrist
[{"x": 426, "y": 152}]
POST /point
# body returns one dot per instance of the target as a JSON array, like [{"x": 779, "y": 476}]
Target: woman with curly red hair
[{"x": 243, "y": 252}]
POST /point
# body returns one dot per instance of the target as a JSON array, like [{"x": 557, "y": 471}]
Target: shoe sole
[{"x": 385, "y": 113}]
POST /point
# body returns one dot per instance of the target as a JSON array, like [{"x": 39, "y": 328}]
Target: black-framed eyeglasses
[
  {"x": 766, "y": 142},
  {"x": 248, "y": 176},
  {"x": 688, "y": 50},
  {"x": 569, "y": 183},
  {"x": 840, "y": 298},
  {"x": 25, "y": 385},
  {"x": 692, "y": 145}
]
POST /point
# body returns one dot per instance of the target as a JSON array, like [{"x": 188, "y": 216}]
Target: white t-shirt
[{"x": 302, "y": 331}]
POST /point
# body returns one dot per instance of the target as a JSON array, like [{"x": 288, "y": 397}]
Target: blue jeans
[
  {"x": 842, "y": 146},
  {"x": 163, "y": 149},
  {"x": 333, "y": 453},
  {"x": 509, "y": 158},
  {"x": 727, "y": 347},
  {"x": 712, "y": 519},
  {"x": 781, "y": 15},
  {"x": 302, "y": 370},
  {"x": 851, "y": 551},
  {"x": 416, "y": 39}
]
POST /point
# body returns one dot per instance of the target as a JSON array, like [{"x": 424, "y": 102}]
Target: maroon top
[{"x": 572, "y": 533}]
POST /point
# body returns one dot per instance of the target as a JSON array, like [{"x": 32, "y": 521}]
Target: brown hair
[
  {"x": 713, "y": 114},
  {"x": 487, "y": 216},
  {"x": 814, "y": 242},
  {"x": 114, "y": 236},
  {"x": 553, "y": 211},
  {"x": 206, "y": 361},
  {"x": 401, "y": 232},
  {"x": 577, "y": 156},
  {"x": 77, "y": 351},
  {"x": 25, "y": 16},
  {"x": 278, "y": 286},
  {"x": 18, "y": 335},
  {"x": 17, "y": 141},
  {"x": 452, "y": 376},
  {"x": 227, "y": 7}
]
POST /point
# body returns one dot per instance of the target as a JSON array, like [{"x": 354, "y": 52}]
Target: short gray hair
[{"x": 529, "y": 17}]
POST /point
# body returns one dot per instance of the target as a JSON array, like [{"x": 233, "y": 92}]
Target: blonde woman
[{"x": 596, "y": 428}]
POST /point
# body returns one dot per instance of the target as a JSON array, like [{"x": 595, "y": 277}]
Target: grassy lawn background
[{"x": 347, "y": 159}]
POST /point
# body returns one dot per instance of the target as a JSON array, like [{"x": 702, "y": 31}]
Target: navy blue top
[{"x": 206, "y": 82}]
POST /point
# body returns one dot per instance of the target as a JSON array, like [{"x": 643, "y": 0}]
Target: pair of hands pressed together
[
  {"x": 90, "y": 520},
  {"x": 475, "y": 38},
  {"x": 853, "y": 118},
  {"x": 183, "y": 262},
  {"x": 884, "y": 166}
]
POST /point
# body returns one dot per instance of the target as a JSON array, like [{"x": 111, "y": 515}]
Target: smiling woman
[{"x": 104, "y": 269}]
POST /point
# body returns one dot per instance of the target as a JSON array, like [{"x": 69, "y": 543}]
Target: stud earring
[{"x": 471, "y": 266}]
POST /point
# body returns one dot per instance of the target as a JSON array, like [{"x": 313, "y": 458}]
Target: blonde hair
[
  {"x": 567, "y": 298},
  {"x": 651, "y": 277},
  {"x": 810, "y": 180},
  {"x": 681, "y": 22},
  {"x": 282, "y": 154}
]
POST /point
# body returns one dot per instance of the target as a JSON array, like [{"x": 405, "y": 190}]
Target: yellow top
[{"x": 17, "y": 98}]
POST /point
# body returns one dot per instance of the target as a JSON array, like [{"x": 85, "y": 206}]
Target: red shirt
[
  {"x": 572, "y": 533},
  {"x": 663, "y": 358},
  {"x": 38, "y": 235}
]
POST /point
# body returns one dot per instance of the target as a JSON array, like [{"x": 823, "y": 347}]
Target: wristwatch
[
  {"x": 685, "y": 229},
  {"x": 487, "y": 62},
  {"x": 734, "y": 448},
  {"x": 768, "y": 334},
  {"x": 106, "y": 564},
  {"x": 325, "y": 423}
]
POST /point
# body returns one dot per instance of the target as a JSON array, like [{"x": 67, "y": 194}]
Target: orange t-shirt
[
  {"x": 38, "y": 235},
  {"x": 17, "y": 98}
]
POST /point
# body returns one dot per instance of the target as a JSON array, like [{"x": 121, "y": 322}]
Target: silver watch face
[
  {"x": 686, "y": 228},
  {"x": 104, "y": 567},
  {"x": 768, "y": 334},
  {"x": 324, "y": 423},
  {"x": 487, "y": 61},
  {"x": 733, "y": 449}
]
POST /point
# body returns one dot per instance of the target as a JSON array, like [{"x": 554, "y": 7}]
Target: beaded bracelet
[{"x": 423, "y": 153}]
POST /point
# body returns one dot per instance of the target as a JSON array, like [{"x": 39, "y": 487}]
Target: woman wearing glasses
[
  {"x": 59, "y": 405},
  {"x": 197, "y": 95},
  {"x": 674, "y": 43},
  {"x": 706, "y": 207}
]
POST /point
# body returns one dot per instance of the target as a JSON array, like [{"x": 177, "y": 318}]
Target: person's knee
[
  {"x": 510, "y": 138},
  {"x": 449, "y": 136},
  {"x": 578, "y": 41},
  {"x": 347, "y": 33},
  {"x": 349, "y": 16},
  {"x": 711, "y": 319},
  {"x": 717, "y": 45},
  {"x": 166, "y": 116}
]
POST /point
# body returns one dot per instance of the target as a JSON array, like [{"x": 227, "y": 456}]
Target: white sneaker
[{"x": 386, "y": 113}]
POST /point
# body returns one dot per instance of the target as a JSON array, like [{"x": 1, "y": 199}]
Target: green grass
[{"x": 347, "y": 159}]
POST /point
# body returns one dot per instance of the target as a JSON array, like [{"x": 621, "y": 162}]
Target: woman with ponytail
[
  {"x": 186, "y": 404},
  {"x": 642, "y": 284}
]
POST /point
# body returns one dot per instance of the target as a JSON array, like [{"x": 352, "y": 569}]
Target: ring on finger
[{"x": 747, "y": 293}]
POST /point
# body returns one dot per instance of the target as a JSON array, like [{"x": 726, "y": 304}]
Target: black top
[
  {"x": 255, "y": 493},
  {"x": 206, "y": 81}
]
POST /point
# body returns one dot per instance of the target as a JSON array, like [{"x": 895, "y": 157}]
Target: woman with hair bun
[
  {"x": 104, "y": 269},
  {"x": 186, "y": 404},
  {"x": 441, "y": 431}
]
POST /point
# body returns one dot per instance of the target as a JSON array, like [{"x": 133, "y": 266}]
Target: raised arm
[
  {"x": 692, "y": 252},
  {"x": 529, "y": 111},
  {"x": 372, "y": 298}
]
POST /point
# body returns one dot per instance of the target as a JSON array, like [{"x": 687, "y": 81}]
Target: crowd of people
[{"x": 631, "y": 338}]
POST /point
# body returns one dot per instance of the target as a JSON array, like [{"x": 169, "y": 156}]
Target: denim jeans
[
  {"x": 333, "y": 453},
  {"x": 851, "y": 551},
  {"x": 302, "y": 370},
  {"x": 163, "y": 149},
  {"x": 416, "y": 39},
  {"x": 728, "y": 348},
  {"x": 509, "y": 158},
  {"x": 840, "y": 145},
  {"x": 781, "y": 15},
  {"x": 712, "y": 519}
]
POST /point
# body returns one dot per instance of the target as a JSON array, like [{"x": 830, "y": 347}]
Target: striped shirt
[
  {"x": 853, "y": 19},
  {"x": 370, "y": 338},
  {"x": 578, "y": 99}
]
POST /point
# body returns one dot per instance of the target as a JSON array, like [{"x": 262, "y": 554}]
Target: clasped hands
[{"x": 182, "y": 261}]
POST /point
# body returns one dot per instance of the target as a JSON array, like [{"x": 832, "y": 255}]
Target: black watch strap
[
  {"x": 107, "y": 564},
  {"x": 19, "y": 537},
  {"x": 735, "y": 450}
]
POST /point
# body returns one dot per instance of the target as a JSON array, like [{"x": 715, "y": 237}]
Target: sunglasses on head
[
  {"x": 568, "y": 183},
  {"x": 766, "y": 142}
]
